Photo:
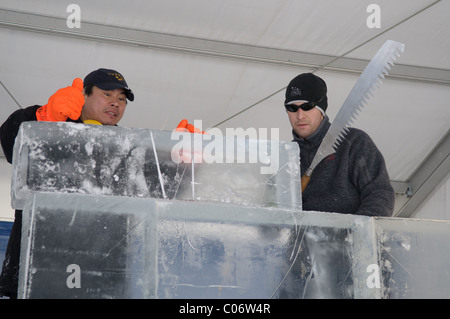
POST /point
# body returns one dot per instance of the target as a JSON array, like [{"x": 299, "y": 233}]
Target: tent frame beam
[
  {"x": 189, "y": 45},
  {"x": 429, "y": 174}
]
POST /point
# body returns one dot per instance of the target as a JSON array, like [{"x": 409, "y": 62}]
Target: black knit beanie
[{"x": 307, "y": 87}]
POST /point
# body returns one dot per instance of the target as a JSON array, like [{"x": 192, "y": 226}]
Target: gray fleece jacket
[{"x": 353, "y": 180}]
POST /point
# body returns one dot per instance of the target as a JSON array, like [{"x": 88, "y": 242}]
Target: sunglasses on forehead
[{"x": 304, "y": 106}]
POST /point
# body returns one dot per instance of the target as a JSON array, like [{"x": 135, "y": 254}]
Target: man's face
[
  {"x": 305, "y": 123},
  {"x": 107, "y": 107}
]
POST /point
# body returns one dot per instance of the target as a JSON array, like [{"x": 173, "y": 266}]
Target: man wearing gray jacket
[{"x": 354, "y": 179}]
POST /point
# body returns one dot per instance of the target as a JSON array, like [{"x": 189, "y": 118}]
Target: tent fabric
[{"x": 407, "y": 117}]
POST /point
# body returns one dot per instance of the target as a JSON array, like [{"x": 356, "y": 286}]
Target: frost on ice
[{"x": 85, "y": 159}]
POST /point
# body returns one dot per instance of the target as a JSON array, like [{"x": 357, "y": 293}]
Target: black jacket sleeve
[
  {"x": 369, "y": 174},
  {"x": 9, "y": 129}
]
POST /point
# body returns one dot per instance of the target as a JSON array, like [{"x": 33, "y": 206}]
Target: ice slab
[
  {"x": 153, "y": 248},
  {"x": 116, "y": 161},
  {"x": 414, "y": 257}
]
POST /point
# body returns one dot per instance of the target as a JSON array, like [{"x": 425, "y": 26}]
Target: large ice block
[
  {"x": 104, "y": 160},
  {"x": 153, "y": 248},
  {"x": 414, "y": 257}
]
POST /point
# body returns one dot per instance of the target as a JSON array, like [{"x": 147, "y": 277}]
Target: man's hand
[
  {"x": 184, "y": 126},
  {"x": 65, "y": 103}
]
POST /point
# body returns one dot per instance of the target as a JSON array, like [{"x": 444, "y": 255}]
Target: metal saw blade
[{"x": 361, "y": 92}]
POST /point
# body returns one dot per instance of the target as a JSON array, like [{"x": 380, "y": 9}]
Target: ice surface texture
[
  {"x": 103, "y": 160},
  {"x": 154, "y": 248}
]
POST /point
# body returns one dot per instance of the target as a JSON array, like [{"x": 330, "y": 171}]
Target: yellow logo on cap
[{"x": 118, "y": 76}]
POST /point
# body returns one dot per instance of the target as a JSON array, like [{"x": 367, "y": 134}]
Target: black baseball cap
[
  {"x": 307, "y": 87},
  {"x": 108, "y": 79}
]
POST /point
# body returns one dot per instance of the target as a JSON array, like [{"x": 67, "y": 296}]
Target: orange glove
[
  {"x": 184, "y": 126},
  {"x": 66, "y": 102}
]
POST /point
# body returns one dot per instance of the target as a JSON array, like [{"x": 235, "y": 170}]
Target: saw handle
[
  {"x": 305, "y": 178},
  {"x": 305, "y": 181}
]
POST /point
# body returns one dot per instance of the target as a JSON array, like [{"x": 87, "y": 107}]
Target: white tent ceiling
[{"x": 226, "y": 62}]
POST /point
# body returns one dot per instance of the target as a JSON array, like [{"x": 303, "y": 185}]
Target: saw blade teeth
[
  {"x": 335, "y": 146},
  {"x": 375, "y": 83},
  {"x": 371, "y": 78},
  {"x": 337, "y": 142},
  {"x": 361, "y": 107},
  {"x": 340, "y": 138},
  {"x": 351, "y": 119},
  {"x": 367, "y": 96}
]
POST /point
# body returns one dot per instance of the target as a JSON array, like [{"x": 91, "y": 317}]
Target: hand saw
[{"x": 355, "y": 102}]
